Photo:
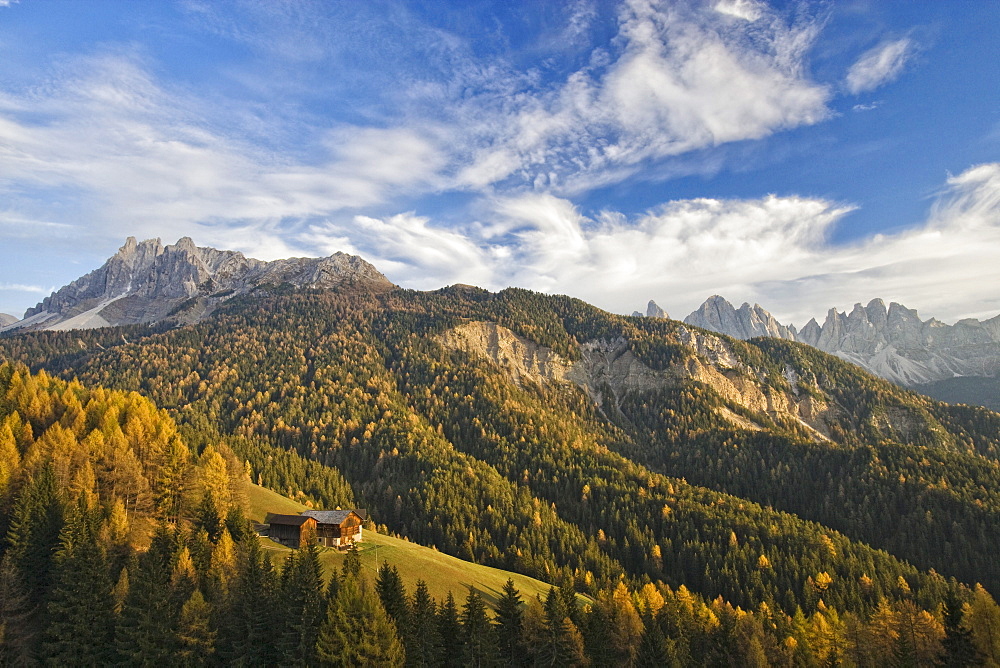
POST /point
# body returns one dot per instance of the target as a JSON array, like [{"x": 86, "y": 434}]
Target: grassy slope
[{"x": 441, "y": 572}]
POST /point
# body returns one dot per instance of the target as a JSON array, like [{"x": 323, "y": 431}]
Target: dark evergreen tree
[
  {"x": 422, "y": 637},
  {"x": 391, "y": 592},
  {"x": 357, "y": 631},
  {"x": 302, "y": 606},
  {"x": 562, "y": 644},
  {"x": 510, "y": 626},
  {"x": 248, "y": 632},
  {"x": 81, "y": 608},
  {"x": 654, "y": 651},
  {"x": 33, "y": 536},
  {"x": 351, "y": 567},
  {"x": 16, "y": 629},
  {"x": 207, "y": 517},
  {"x": 146, "y": 629},
  {"x": 958, "y": 648},
  {"x": 480, "y": 648},
  {"x": 452, "y": 646}
]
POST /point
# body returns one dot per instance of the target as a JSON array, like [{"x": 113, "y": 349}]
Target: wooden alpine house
[
  {"x": 337, "y": 528},
  {"x": 291, "y": 530}
]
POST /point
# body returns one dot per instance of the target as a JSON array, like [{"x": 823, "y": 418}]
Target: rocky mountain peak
[
  {"x": 891, "y": 342},
  {"x": 148, "y": 282},
  {"x": 654, "y": 311},
  {"x": 718, "y": 315}
]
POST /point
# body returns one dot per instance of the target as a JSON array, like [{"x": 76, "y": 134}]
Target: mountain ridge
[
  {"x": 891, "y": 342},
  {"x": 147, "y": 282}
]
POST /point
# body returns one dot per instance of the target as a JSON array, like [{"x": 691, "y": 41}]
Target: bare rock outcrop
[
  {"x": 608, "y": 370},
  {"x": 891, "y": 342},
  {"x": 148, "y": 282}
]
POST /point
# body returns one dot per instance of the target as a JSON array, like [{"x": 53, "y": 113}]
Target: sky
[{"x": 801, "y": 155}]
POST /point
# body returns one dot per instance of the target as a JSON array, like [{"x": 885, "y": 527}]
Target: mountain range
[
  {"x": 538, "y": 433},
  {"x": 148, "y": 282},
  {"x": 892, "y": 342}
]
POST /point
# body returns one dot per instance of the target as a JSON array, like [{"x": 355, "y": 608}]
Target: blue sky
[{"x": 800, "y": 155}]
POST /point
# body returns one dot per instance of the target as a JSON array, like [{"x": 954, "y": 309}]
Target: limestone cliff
[{"x": 609, "y": 371}]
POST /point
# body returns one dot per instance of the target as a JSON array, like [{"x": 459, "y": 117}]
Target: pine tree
[
  {"x": 33, "y": 536},
  {"x": 423, "y": 639},
  {"x": 81, "y": 608},
  {"x": 391, "y": 592},
  {"x": 510, "y": 626},
  {"x": 16, "y": 628},
  {"x": 477, "y": 632},
  {"x": 147, "y": 624},
  {"x": 958, "y": 648},
  {"x": 246, "y": 635},
  {"x": 450, "y": 632},
  {"x": 302, "y": 603},
  {"x": 357, "y": 631}
]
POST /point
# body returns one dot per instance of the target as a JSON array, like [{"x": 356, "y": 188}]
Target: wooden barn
[
  {"x": 337, "y": 528},
  {"x": 291, "y": 530}
]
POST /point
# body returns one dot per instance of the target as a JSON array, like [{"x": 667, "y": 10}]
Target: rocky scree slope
[{"x": 147, "y": 282}]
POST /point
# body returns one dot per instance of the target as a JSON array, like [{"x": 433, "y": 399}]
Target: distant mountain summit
[
  {"x": 149, "y": 282},
  {"x": 652, "y": 311},
  {"x": 7, "y": 319},
  {"x": 718, "y": 315},
  {"x": 892, "y": 342}
]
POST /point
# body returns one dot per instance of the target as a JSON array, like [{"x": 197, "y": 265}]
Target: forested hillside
[{"x": 766, "y": 473}]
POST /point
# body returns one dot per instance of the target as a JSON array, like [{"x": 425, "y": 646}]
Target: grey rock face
[
  {"x": 890, "y": 342},
  {"x": 148, "y": 282},
  {"x": 654, "y": 311},
  {"x": 718, "y": 315},
  {"x": 7, "y": 319}
]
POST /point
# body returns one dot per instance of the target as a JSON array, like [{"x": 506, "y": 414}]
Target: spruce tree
[
  {"x": 247, "y": 633},
  {"x": 81, "y": 607},
  {"x": 147, "y": 623},
  {"x": 301, "y": 602},
  {"x": 16, "y": 629},
  {"x": 391, "y": 592},
  {"x": 357, "y": 631},
  {"x": 33, "y": 536},
  {"x": 480, "y": 647},
  {"x": 450, "y": 633},
  {"x": 422, "y": 639},
  {"x": 510, "y": 626},
  {"x": 958, "y": 648}
]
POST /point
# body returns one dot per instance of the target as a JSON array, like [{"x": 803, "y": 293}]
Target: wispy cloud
[
  {"x": 658, "y": 95},
  {"x": 879, "y": 66},
  {"x": 20, "y": 287}
]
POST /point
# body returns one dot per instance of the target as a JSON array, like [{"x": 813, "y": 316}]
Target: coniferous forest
[{"x": 677, "y": 523}]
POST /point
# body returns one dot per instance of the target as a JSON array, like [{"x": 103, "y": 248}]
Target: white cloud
[
  {"x": 684, "y": 78},
  {"x": 772, "y": 250},
  {"x": 142, "y": 160},
  {"x": 748, "y": 10},
  {"x": 20, "y": 287},
  {"x": 407, "y": 248},
  {"x": 878, "y": 66}
]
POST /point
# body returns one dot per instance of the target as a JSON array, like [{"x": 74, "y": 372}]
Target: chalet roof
[
  {"x": 330, "y": 516},
  {"x": 289, "y": 520}
]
